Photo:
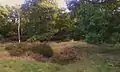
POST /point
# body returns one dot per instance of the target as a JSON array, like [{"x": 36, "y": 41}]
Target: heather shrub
[
  {"x": 66, "y": 55},
  {"x": 43, "y": 49},
  {"x": 18, "y": 49}
]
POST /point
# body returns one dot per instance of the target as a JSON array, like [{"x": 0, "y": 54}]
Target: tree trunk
[
  {"x": 19, "y": 40},
  {"x": 19, "y": 36}
]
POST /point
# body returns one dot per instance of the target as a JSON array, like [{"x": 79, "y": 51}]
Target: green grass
[
  {"x": 27, "y": 66},
  {"x": 99, "y": 59},
  {"x": 2, "y": 48},
  {"x": 92, "y": 64}
]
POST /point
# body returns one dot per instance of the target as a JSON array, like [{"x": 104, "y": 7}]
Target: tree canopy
[{"x": 95, "y": 21}]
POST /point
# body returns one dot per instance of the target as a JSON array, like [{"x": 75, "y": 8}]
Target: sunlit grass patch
[{"x": 27, "y": 66}]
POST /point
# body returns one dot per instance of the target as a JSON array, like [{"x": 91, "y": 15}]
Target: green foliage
[
  {"x": 97, "y": 23},
  {"x": 44, "y": 20},
  {"x": 1, "y": 37},
  {"x": 34, "y": 38},
  {"x": 40, "y": 19},
  {"x": 3, "y": 20},
  {"x": 93, "y": 21},
  {"x": 64, "y": 25},
  {"x": 7, "y": 27}
]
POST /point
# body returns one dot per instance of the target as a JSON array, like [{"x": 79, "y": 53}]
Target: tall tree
[
  {"x": 39, "y": 18},
  {"x": 4, "y": 12}
]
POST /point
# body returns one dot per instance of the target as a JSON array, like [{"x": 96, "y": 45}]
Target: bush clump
[
  {"x": 16, "y": 49},
  {"x": 66, "y": 55},
  {"x": 19, "y": 49},
  {"x": 44, "y": 52},
  {"x": 43, "y": 49}
]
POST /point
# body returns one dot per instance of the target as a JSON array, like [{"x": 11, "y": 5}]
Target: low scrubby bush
[
  {"x": 44, "y": 52},
  {"x": 43, "y": 49},
  {"x": 18, "y": 49},
  {"x": 66, "y": 55}
]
